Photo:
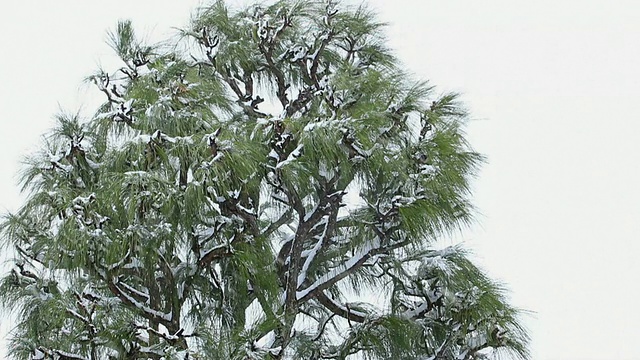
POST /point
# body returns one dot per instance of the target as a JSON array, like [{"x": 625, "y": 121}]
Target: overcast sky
[{"x": 552, "y": 87}]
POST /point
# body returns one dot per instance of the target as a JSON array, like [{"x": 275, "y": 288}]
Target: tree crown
[{"x": 270, "y": 186}]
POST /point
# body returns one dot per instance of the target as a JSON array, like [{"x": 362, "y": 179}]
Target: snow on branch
[
  {"x": 147, "y": 312},
  {"x": 340, "y": 272},
  {"x": 44, "y": 353}
]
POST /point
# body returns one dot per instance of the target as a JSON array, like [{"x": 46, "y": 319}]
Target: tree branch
[
  {"x": 339, "y": 309},
  {"x": 147, "y": 312},
  {"x": 346, "y": 269},
  {"x": 285, "y": 218}
]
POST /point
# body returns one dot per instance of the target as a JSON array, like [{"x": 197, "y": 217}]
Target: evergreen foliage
[{"x": 269, "y": 187}]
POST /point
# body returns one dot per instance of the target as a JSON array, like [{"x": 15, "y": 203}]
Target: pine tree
[{"x": 270, "y": 186}]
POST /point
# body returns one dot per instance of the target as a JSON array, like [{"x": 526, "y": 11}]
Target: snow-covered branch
[
  {"x": 341, "y": 271},
  {"x": 146, "y": 311}
]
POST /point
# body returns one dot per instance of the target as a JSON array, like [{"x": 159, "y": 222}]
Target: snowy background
[{"x": 553, "y": 89}]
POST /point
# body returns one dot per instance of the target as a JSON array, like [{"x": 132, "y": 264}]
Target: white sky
[{"x": 553, "y": 92}]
